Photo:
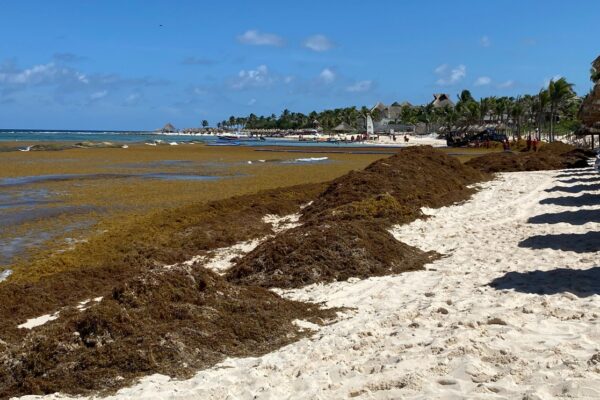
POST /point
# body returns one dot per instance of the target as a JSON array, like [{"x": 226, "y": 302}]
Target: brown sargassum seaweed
[{"x": 180, "y": 319}]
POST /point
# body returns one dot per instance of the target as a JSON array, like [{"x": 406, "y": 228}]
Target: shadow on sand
[
  {"x": 586, "y": 199},
  {"x": 579, "y": 217},
  {"x": 581, "y": 179},
  {"x": 575, "y": 188},
  {"x": 577, "y": 242},
  {"x": 582, "y": 283},
  {"x": 577, "y": 172}
]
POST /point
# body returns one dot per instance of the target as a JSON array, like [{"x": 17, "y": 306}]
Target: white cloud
[
  {"x": 252, "y": 102},
  {"x": 318, "y": 43},
  {"x": 327, "y": 76},
  {"x": 288, "y": 79},
  {"x": 361, "y": 86},
  {"x": 65, "y": 79},
  {"x": 133, "y": 98},
  {"x": 506, "y": 84},
  {"x": 483, "y": 81},
  {"x": 447, "y": 76},
  {"x": 259, "y": 77},
  {"x": 257, "y": 38},
  {"x": 441, "y": 69},
  {"x": 485, "y": 41},
  {"x": 98, "y": 95},
  {"x": 42, "y": 74}
]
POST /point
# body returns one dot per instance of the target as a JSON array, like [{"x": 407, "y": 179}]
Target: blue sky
[{"x": 111, "y": 65}]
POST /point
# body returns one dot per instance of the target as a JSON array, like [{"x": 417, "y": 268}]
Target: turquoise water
[{"x": 24, "y": 135}]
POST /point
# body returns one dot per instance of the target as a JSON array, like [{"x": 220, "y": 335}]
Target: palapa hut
[
  {"x": 379, "y": 106},
  {"x": 389, "y": 113},
  {"x": 441, "y": 100},
  {"x": 343, "y": 128},
  {"x": 168, "y": 128},
  {"x": 590, "y": 108},
  {"x": 394, "y": 111}
]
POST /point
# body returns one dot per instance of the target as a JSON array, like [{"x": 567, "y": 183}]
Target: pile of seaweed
[
  {"x": 89, "y": 270},
  {"x": 555, "y": 155},
  {"x": 345, "y": 231},
  {"x": 171, "y": 321},
  {"x": 178, "y": 319}
]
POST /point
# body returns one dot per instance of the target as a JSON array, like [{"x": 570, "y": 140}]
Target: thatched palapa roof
[
  {"x": 379, "y": 106},
  {"x": 168, "y": 128},
  {"x": 343, "y": 127},
  {"x": 441, "y": 100}
]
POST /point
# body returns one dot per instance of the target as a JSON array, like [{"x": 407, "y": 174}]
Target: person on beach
[{"x": 529, "y": 142}]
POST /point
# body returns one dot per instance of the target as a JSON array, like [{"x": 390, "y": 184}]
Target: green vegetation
[{"x": 551, "y": 111}]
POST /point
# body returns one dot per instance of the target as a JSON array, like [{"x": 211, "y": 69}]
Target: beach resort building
[{"x": 388, "y": 118}]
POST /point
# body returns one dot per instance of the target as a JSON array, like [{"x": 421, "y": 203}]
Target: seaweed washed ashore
[
  {"x": 128, "y": 334},
  {"x": 49, "y": 198}
]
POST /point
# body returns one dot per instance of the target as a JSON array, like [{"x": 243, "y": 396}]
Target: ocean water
[{"x": 25, "y": 135}]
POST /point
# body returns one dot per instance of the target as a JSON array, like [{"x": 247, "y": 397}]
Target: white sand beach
[
  {"x": 413, "y": 140},
  {"x": 511, "y": 311}
]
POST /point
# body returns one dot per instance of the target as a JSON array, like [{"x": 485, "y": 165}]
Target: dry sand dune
[{"x": 512, "y": 311}]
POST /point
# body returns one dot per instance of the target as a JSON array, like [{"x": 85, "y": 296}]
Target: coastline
[
  {"x": 340, "y": 231},
  {"x": 430, "y": 333}
]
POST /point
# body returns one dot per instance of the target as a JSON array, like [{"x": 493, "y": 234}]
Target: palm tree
[
  {"x": 516, "y": 112},
  {"x": 528, "y": 102},
  {"x": 541, "y": 104},
  {"x": 408, "y": 115},
  {"x": 449, "y": 115},
  {"x": 559, "y": 92},
  {"x": 204, "y": 123},
  {"x": 376, "y": 114},
  {"x": 472, "y": 112},
  {"x": 485, "y": 106},
  {"x": 465, "y": 97},
  {"x": 501, "y": 107}
]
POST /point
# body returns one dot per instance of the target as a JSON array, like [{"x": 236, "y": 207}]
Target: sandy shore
[
  {"x": 413, "y": 140},
  {"x": 512, "y": 311}
]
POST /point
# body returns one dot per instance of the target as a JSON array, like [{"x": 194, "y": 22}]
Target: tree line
[{"x": 551, "y": 111}]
